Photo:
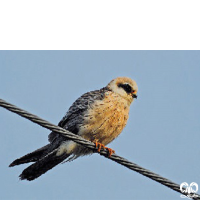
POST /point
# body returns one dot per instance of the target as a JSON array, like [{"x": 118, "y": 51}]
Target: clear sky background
[{"x": 162, "y": 134}]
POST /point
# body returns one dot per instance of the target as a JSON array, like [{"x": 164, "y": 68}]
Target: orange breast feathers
[{"x": 106, "y": 119}]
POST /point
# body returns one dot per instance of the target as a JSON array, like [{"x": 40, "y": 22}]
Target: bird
[{"x": 98, "y": 116}]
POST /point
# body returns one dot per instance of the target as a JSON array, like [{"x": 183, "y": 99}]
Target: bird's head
[{"x": 125, "y": 87}]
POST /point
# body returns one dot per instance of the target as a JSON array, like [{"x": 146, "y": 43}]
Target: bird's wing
[{"x": 75, "y": 114}]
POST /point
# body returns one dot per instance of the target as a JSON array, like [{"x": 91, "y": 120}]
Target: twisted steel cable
[{"x": 88, "y": 144}]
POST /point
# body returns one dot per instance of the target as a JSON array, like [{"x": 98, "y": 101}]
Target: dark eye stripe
[{"x": 126, "y": 87}]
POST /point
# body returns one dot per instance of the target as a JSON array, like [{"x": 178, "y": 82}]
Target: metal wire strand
[{"x": 88, "y": 144}]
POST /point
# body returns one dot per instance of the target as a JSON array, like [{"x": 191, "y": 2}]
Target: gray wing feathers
[{"x": 75, "y": 114}]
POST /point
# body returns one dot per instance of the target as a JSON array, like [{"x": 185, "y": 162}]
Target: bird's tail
[
  {"x": 42, "y": 166},
  {"x": 31, "y": 157},
  {"x": 45, "y": 159}
]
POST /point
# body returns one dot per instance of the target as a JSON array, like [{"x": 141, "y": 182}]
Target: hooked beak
[{"x": 134, "y": 96}]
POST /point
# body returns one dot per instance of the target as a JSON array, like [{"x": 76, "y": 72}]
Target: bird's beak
[{"x": 134, "y": 96}]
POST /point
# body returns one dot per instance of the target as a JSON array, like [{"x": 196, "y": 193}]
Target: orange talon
[
  {"x": 96, "y": 144},
  {"x": 110, "y": 151},
  {"x": 99, "y": 146}
]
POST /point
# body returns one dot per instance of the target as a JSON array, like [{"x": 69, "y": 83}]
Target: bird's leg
[{"x": 100, "y": 145}]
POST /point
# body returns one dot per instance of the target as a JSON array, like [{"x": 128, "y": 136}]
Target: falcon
[{"x": 98, "y": 116}]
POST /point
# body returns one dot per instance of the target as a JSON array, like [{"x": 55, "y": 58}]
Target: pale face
[{"x": 125, "y": 87}]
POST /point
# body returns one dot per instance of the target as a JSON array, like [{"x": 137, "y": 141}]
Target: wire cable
[{"x": 88, "y": 144}]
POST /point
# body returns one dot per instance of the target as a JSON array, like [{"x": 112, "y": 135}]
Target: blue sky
[{"x": 162, "y": 133}]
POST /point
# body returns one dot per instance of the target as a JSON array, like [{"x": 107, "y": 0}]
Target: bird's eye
[{"x": 126, "y": 87}]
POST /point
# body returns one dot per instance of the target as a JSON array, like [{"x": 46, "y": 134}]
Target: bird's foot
[
  {"x": 110, "y": 151},
  {"x": 99, "y": 146}
]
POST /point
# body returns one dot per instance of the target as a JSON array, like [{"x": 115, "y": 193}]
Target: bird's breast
[{"x": 105, "y": 119}]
